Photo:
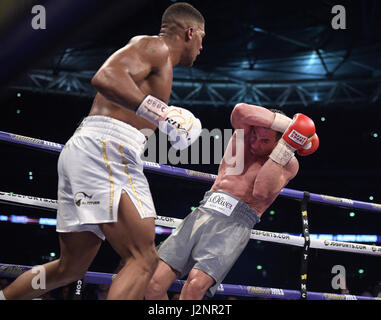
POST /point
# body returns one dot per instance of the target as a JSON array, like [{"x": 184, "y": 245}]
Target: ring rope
[
  {"x": 197, "y": 175},
  {"x": 13, "y": 271},
  {"x": 170, "y": 222},
  {"x": 174, "y": 171}
]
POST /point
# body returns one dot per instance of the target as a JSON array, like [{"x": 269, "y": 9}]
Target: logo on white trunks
[
  {"x": 82, "y": 198},
  {"x": 221, "y": 202}
]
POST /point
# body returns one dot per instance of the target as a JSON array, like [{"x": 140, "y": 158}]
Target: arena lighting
[{"x": 373, "y": 133}]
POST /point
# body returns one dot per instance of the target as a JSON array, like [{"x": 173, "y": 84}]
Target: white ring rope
[{"x": 170, "y": 222}]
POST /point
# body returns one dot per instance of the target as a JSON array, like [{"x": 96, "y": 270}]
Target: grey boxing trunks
[{"x": 211, "y": 238}]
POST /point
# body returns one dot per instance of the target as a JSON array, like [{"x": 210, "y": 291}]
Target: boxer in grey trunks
[
  {"x": 217, "y": 252},
  {"x": 211, "y": 238}
]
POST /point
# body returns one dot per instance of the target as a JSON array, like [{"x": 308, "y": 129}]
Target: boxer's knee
[
  {"x": 197, "y": 284},
  {"x": 155, "y": 290},
  {"x": 146, "y": 258}
]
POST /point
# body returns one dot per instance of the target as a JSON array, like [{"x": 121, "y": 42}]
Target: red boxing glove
[
  {"x": 310, "y": 147},
  {"x": 299, "y": 131},
  {"x": 297, "y": 136}
]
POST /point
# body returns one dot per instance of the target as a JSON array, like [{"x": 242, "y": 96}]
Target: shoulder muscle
[
  {"x": 141, "y": 56},
  {"x": 149, "y": 49}
]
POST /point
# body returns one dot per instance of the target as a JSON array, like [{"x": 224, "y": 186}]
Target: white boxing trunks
[{"x": 99, "y": 162}]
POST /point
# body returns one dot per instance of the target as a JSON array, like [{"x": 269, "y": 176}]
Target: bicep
[
  {"x": 236, "y": 120},
  {"x": 246, "y": 115}
]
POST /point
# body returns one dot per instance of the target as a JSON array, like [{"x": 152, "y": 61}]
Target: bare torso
[
  {"x": 157, "y": 83},
  {"x": 241, "y": 185}
]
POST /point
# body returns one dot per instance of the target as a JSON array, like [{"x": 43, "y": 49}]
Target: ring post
[{"x": 306, "y": 246}]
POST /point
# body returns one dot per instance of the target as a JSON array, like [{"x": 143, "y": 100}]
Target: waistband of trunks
[
  {"x": 242, "y": 211},
  {"x": 113, "y": 128}
]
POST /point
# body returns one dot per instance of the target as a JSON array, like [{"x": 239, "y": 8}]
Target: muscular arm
[
  {"x": 272, "y": 177},
  {"x": 245, "y": 115},
  {"x": 119, "y": 76}
]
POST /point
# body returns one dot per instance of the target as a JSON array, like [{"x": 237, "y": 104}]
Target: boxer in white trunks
[
  {"x": 102, "y": 191},
  {"x": 211, "y": 238}
]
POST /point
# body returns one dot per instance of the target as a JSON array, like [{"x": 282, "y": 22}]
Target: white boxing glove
[
  {"x": 179, "y": 124},
  {"x": 182, "y": 127}
]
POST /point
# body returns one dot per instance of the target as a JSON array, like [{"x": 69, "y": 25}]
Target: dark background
[{"x": 80, "y": 35}]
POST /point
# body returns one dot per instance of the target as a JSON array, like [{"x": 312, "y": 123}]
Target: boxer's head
[
  {"x": 262, "y": 141},
  {"x": 188, "y": 24}
]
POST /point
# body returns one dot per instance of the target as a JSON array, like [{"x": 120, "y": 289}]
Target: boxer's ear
[{"x": 189, "y": 33}]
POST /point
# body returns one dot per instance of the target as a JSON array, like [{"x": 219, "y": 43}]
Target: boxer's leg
[
  {"x": 78, "y": 250},
  {"x": 196, "y": 285},
  {"x": 160, "y": 282},
  {"x": 133, "y": 239}
]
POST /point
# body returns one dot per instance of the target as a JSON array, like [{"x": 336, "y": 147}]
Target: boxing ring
[{"x": 304, "y": 241}]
